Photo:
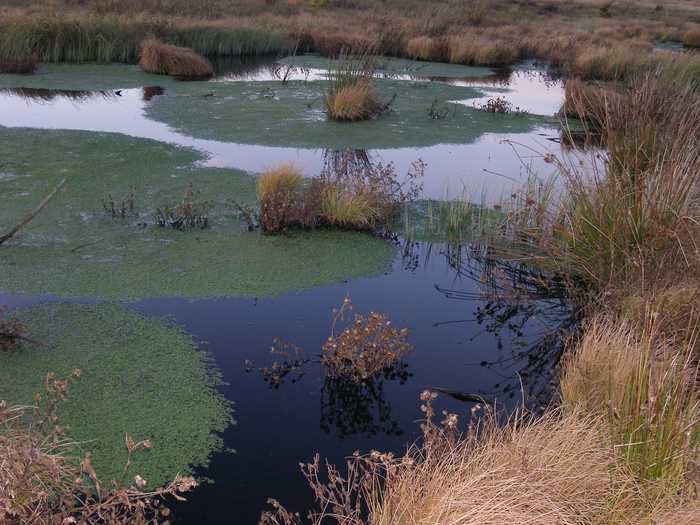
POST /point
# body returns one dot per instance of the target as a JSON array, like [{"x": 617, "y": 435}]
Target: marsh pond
[{"x": 207, "y": 342}]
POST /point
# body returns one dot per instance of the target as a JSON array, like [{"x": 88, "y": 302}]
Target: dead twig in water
[{"x": 7, "y": 236}]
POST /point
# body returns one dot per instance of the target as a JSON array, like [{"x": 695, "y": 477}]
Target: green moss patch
[
  {"x": 74, "y": 248},
  {"x": 140, "y": 376}
]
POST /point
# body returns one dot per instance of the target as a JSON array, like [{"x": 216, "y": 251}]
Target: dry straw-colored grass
[
  {"x": 691, "y": 38},
  {"x": 353, "y": 102},
  {"x": 286, "y": 178},
  {"x": 556, "y": 469},
  {"x": 179, "y": 62}
]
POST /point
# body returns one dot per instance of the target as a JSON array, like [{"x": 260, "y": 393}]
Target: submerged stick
[{"x": 36, "y": 211}]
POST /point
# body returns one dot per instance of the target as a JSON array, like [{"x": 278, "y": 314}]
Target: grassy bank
[{"x": 584, "y": 37}]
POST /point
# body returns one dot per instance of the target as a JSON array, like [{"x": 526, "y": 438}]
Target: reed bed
[
  {"x": 118, "y": 38},
  {"x": 615, "y": 46}
]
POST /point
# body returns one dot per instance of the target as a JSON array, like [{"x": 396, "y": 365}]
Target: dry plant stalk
[
  {"x": 30, "y": 216},
  {"x": 365, "y": 347},
  {"x": 42, "y": 482}
]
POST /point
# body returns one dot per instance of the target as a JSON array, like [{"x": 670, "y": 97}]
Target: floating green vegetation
[
  {"x": 292, "y": 114},
  {"x": 75, "y": 248},
  {"x": 140, "y": 376}
]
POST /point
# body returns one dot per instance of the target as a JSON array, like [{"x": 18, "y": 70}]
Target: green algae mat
[
  {"x": 74, "y": 248},
  {"x": 139, "y": 376}
]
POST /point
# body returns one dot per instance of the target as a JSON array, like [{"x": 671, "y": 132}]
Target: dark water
[
  {"x": 503, "y": 351},
  {"x": 465, "y": 340}
]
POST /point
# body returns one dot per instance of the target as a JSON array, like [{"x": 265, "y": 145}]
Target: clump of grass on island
[
  {"x": 352, "y": 95},
  {"x": 345, "y": 195},
  {"x": 179, "y": 62}
]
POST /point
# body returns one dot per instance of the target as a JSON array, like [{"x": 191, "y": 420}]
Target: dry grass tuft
[
  {"x": 351, "y": 95},
  {"x": 285, "y": 201},
  {"x": 477, "y": 51},
  {"x": 353, "y": 103},
  {"x": 344, "y": 208},
  {"x": 644, "y": 384},
  {"x": 691, "y": 38},
  {"x": 554, "y": 469},
  {"x": 180, "y": 62},
  {"x": 286, "y": 178}
]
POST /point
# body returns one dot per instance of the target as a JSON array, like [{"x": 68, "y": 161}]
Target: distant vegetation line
[{"x": 582, "y": 38}]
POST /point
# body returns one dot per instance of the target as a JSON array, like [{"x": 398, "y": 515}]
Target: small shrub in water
[
  {"x": 188, "y": 214},
  {"x": 499, "y": 105},
  {"x": 11, "y": 330},
  {"x": 120, "y": 208},
  {"x": 365, "y": 347}
]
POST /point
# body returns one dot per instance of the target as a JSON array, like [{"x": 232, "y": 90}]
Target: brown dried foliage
[
  {"x": 180, "y": 62},
  {"x": 43, "y": 481},
  {"x": 365, "y": 346}
]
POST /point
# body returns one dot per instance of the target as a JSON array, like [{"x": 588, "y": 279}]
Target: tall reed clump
[
  {"x": 630, "y": 219},
  {"x": 179, "y": 62},
  {"x": 118, "y": 38},
  {"x": 44, "y": 481},
  {"x": 351, "y": 95}
]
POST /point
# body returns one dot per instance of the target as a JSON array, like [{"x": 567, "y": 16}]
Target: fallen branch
[{"x": 7, "y": 236}]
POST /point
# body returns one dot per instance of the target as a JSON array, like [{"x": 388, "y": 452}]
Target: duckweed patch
[
  {"x": 140, "y": 376},
  {"x": 75, "y": 248}
]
